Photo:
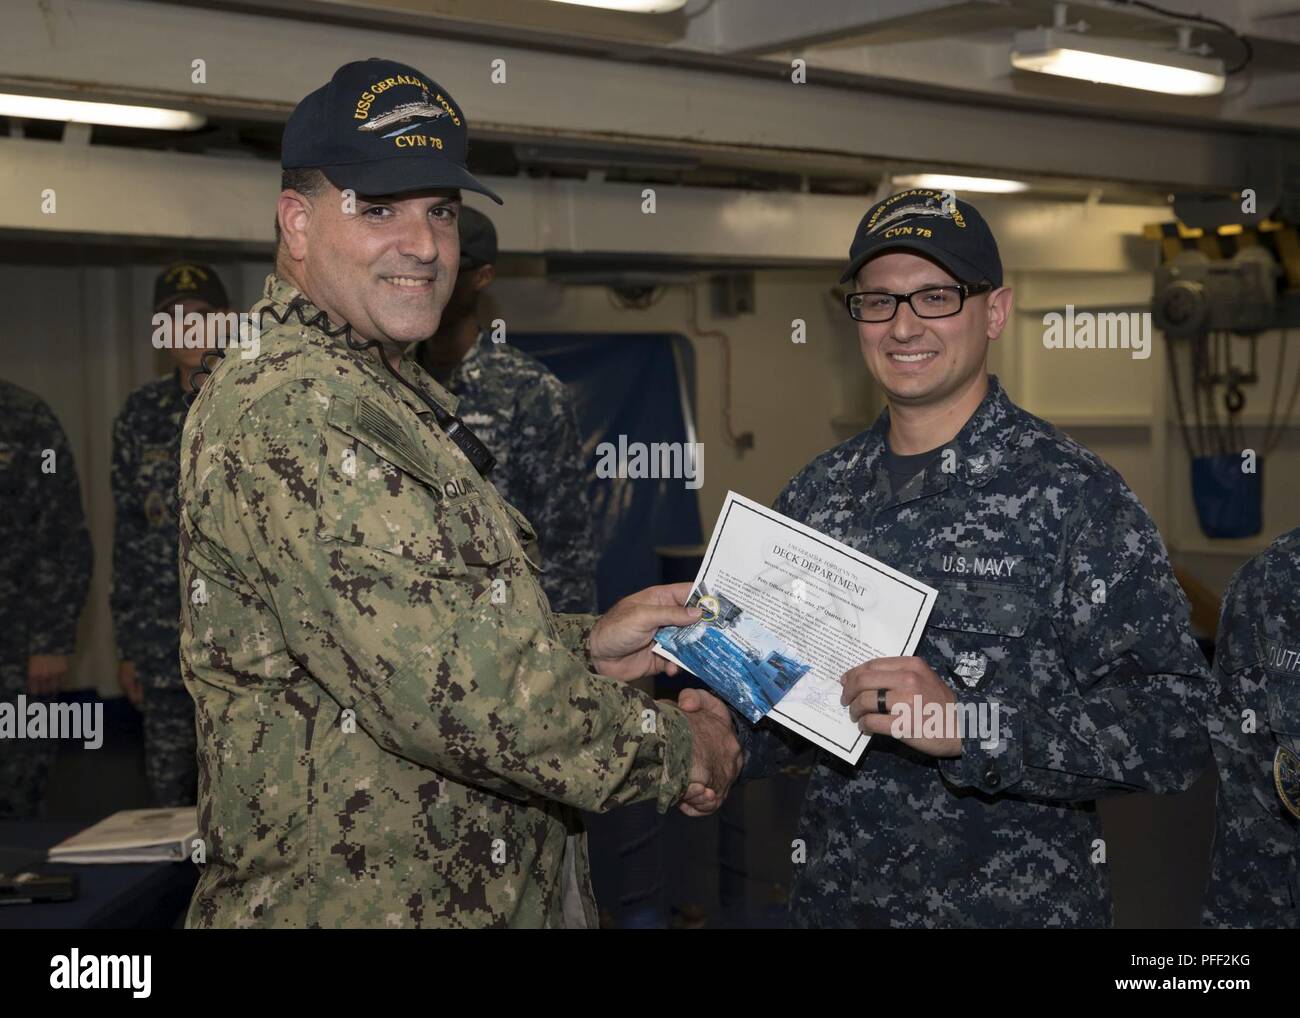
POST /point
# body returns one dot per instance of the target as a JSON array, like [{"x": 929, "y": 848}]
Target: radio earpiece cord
[{"x": 452, "y": 426}]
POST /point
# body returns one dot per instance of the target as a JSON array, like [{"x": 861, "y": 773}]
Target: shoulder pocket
[
  {"x": 378, "y": 490},
  {"x": 526, "y": 535},
  {"x": 383, "y": 434}
]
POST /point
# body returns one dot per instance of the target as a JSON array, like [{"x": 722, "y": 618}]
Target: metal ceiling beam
[
  {"x": 150, "y": 196},
  {"x": 563, "y": 26},
  {"x": 763, "y": 26},
  {"x": 133, "y": 50}
]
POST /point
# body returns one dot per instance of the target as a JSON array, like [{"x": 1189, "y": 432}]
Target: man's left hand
[
  {"x": 902, "y": 680},
  {"x": 620, "y": 642}
]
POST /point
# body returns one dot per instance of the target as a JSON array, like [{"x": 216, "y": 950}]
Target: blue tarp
[{"x": 626, "y": 384}]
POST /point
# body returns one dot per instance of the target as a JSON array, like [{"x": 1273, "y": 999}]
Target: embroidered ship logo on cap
[
  {"x": 186, "y": 274},
  {"x": 418, "y": 112},
  {"x": 916, "y": 205}
]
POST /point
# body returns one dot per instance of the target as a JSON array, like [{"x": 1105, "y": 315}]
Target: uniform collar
[
  {"x": 177, "y": 392},
  {"x": 982, "y": 444},
  {"x": 978, "y": 451},
  {"x": 281, "y": 294},
  {"x": 459, "y": 374},
  {"x": 476, "y": 350}
]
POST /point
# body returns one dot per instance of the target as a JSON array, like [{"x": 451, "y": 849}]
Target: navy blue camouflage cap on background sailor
[
  {"x": 935, "y": 224},
  {"x": 478, "y": 238},
  {"x": 182, "y": 281},
  {"x": 379, "y": 128}
]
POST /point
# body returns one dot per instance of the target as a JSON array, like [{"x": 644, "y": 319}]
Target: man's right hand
[
  {"x": 129, "y": 683},
  {"x": 620, "y": 641},
  {"x": 715, "y": 753}
]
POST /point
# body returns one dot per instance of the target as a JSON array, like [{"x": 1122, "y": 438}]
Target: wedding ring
[{"x": 881, "y": 708}]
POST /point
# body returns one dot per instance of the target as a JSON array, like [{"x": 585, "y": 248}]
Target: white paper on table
[{"x": 833, "y": 606}]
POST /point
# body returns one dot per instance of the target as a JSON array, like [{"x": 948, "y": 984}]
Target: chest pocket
[
  {"x": 378, "y": 489},
  {"x": 1279, "y": 655},
  {"x": 526, "y": 534},
  {"x": 1284, "y": 709},
  {"x": 526, "y": 537},
  {"x": 157, "y": 475},
  {"x": 975, "y": 631}
]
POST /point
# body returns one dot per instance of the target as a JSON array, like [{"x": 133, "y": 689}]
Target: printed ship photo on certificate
[{"x": 785, "y": 611}]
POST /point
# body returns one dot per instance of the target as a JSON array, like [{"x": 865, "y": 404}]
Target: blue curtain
[{"x": 626, "y": 383}]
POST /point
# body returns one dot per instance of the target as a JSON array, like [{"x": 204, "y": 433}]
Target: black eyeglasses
[{"x": 930, "y": 302}]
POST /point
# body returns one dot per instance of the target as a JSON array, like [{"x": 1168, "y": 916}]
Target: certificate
[{"x": 786, "y": 612}]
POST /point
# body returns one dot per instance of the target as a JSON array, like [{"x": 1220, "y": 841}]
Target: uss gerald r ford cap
[
  {"x": 380, "y": 127},
  {"x": 935, "y": 224}
]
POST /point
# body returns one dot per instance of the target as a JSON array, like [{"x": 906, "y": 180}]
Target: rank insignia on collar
[
  {"x": 970, "y": 667},
  {"x": 1286, "y": 778},
  {"x": 978, "y": 464}
]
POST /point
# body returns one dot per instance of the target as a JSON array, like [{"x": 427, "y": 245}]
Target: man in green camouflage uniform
[
  {"x": 45, "y": 564},
  {"x": 394, "y": 730},
  {"x": 145, "y": 598},
  {"x": 525, "y": 417}
]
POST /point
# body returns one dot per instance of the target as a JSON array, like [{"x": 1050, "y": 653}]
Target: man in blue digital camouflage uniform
[
  {"x": 145, "y": 597},
  {"x": 525, "y": 417},
  {"x": 1255, "y": 731},
  {"x": 45, "y": 566},
  {"x": 1058, "y": 621}
]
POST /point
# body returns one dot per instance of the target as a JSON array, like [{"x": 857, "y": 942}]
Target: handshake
[
  {"x": 715, "y": 753},
  {"x": 621, "y": 647}
]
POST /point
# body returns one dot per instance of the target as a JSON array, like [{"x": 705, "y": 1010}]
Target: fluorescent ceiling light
[
  {"x": 951, "y": 182},
  {"x": 1115, "y": 62},
  {"x": 632, "y": 6},
  {"x": 35, "y": 107}
]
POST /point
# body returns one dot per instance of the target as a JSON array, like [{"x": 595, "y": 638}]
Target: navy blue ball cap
[
  {"x": 936, "y": 224},
  {"x": 183, "y": 281},
  {"x": 478, "y": 238},
  {"x": 380, "y": 127}
]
